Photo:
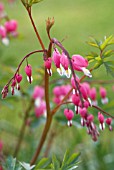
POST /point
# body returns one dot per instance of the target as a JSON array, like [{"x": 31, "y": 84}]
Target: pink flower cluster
[
  {"x": 90, "y": 93},
  {"x": 87, "y": 120},
  {"x": 83, "y": 96},
  {"x": 16, "y": 80},
  {"x": 88, "y": 99},
  {"x": 9, "y": 28},
  {"x": 14, "y": 85},
  {"x": 60, "y": 92},
  {"x": 40, "y": 105},
  {"x": 62, "y": 64}
]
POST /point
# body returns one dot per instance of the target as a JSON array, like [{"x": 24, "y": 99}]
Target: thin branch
[
  {"x": 42, "y": 140},
  {"x": 96, "y": 107},
  {"x": 101, "y": 81},
  {"x": 23, "y": 127},
  {"x": 47, "y": 92},
  {"x": 49, "y": 115},
  {"x": 50, "y": 142},
  {"x": 107, "y": 114},
  {"x": 35, "y": 29},
  {"x": 47, "y": 99},
  {"x": 27, "y": 56}
]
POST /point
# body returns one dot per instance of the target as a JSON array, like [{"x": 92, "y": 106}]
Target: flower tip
[
  {"x": 68, "y": 73},
  {"x": 86, "y": 72},
  {"x": 30, "y": 79},
  {"x": 5, "y": 41},
  {"x": 49, "y": 71},
  {"x": 69, "y": 123}
]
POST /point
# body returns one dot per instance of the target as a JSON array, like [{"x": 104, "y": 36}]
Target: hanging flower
[
  {"x": 103, "y": 94},
  {"x": 80, "y": 64},
  {"x": 47, "y": 64},
  {"x": 28, "y": 71},
  {"x": 69, "y": 114}
]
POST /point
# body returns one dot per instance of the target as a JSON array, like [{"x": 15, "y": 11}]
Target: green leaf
[
  {"x": 105, "y": 43},
  {"x": 94, "y": 54},
  {"x": 66, "y": 158},
  {"x": 107, "y": 53},
  {"x": 94, "y": 42},
  {"x": 34, "y": 2},
  {"x": 43, "y": 163},
  {"x": 98, "y": 58},
  {"x": 73, "y": 159},
  {"x": 70, "y": 161},
  {"x": 109, "y": 65},
  {"x": 98, "y": 63},
  {"x": 10, "y": 163},
  {"x": 90, "y": 58},
  {"x": 55, "y": 163},
  {"x": 111, "y": 41}
]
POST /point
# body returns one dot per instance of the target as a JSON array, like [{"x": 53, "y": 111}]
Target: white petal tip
[{"x": 5, "y": 41}]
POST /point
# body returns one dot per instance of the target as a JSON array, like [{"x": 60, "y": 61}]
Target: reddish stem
[
  {"x": 107, "y": 114},
  {"x": 42, "y": 140},
  {"x": 55, "y": 41},
  {"x": 28, "y": 55},
  {"x": 35, "y": 29},
  {"x": 49, "y": 116}
]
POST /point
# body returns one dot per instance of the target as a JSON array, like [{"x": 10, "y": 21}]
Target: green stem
[{"x": 23, "y": 127}]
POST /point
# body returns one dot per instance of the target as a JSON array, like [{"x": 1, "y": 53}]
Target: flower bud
[
  {"x": 28, "y": 71},
  {"x": 83, "y": 112},
  {"x": 18, "y": 78},
  {"x": 75, "y": 99},
  {"x": 79, "y": 63},
  {"x": 109, "y": 122},
  {"x": 11, "y": 26},
  {"x": 101, "y": 120},
  {"x": 103, "y": 94},
  {"x": 69, "y": 114},
  {"x": 47, "y": 64}
]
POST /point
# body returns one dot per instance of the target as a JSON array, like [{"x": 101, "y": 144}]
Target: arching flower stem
[{"x": 27, "y": 56}]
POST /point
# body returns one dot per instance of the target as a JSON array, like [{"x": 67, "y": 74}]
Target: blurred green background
[{"x": 75, "y": 21}]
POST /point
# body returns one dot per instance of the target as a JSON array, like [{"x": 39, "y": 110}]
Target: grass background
[{"x": 76, "y": 20}]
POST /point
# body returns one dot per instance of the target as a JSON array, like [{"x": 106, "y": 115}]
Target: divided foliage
[
  {"x": 104, "y": 58},
  {"x": 69, "y": 162}
]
